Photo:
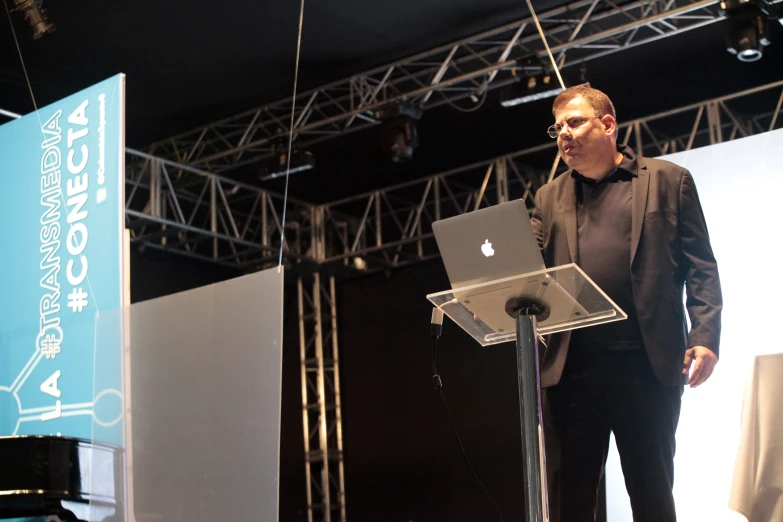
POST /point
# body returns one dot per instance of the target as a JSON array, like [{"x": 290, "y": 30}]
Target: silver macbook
[
  {"x": 489, "y": 243},
  {"x": 495, "y": 243}
]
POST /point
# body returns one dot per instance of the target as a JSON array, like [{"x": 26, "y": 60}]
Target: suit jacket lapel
[
  {"x": 640, "y": 187},
  {"x": 569, "y": 216}
]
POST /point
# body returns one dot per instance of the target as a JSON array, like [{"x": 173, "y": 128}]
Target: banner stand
[{"x": 62, "y": 393}]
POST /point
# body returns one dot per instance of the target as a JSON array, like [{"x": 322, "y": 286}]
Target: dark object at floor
[{"x": 77, "y": 480}]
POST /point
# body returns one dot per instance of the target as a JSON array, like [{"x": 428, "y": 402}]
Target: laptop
[
  {"x": 495, "y": 243},
  {"x": 487, "y": 244}
]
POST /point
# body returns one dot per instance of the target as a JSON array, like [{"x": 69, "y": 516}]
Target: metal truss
[
  {"x": 718, "y": 120},
  {"x": 203, "y": 215},
  {"x": 577, "y": 32},
  {"x": 321, "y": 412},
  {"x": 214, "y": 218},
  {"x": 393, "y": 227}
]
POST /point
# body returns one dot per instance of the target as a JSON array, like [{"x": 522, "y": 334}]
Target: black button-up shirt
[{"x": 603, "y": 210}]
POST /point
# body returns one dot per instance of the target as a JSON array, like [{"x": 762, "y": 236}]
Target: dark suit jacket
[{"x": 670, "y": 249}]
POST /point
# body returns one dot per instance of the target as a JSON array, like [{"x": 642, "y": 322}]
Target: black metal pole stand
[{"x": 525, "y": 311}]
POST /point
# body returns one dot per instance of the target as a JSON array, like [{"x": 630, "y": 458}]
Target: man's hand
[{"x": 705, "y": 361}]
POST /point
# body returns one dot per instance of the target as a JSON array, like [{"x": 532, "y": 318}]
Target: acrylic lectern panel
[{"x": 574, "y": 301}]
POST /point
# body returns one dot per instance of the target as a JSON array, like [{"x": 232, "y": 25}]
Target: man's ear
[{"x": 610, "y": 123}]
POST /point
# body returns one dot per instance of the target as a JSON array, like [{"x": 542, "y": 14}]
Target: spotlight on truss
[
  {"x": 747, "y": 30},
  {"x": 399, "y": 136},
  {"x": 276, "y": 166},
  {"x": 531, "y": 89},
  {"x": 35, "y": 15}
]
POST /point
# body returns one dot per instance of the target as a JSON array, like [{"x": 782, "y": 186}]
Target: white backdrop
[{"x": 740, "y": 185}]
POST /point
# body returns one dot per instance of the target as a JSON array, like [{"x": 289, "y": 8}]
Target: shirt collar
[{"x": 629, "y": 164}]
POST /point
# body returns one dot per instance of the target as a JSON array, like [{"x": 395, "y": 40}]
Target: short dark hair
[{"x": 599, "y": 101}]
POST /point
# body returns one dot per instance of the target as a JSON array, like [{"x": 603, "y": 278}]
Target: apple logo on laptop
[{"x": 486, "y": 248}]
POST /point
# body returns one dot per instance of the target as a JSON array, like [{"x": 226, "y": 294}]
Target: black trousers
[{"x": 599, "y": 394}]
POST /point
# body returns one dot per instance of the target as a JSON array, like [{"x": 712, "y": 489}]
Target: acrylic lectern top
[{"x": 571, "y": 297}]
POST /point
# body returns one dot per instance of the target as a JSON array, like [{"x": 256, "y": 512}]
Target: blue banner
[{"x": 61, "y": 223}]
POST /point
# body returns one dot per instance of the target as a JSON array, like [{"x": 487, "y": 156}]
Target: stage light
[
  {"x": 360, "y": 264},
  {"x": 399, "y": 139},
  {"x": 277, "y": 164},
  {"x": 36, "y": 16},
  {"x": 531, "y": 89},
  {"x": 399, "y": 135},
  {"x": 747, "y": 30}
]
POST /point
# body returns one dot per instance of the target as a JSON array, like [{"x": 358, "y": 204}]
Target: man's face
[{"x": 582, "y": 137}]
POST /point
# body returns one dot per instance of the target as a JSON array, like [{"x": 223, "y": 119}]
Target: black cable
[
  {"x": 479, "y": 103},
  {"x": 438, "y": 382}
]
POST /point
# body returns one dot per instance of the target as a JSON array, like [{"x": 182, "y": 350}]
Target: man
[{"x": 635, "y": 226}]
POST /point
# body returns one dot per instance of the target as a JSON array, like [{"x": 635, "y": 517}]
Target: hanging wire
[
  {"x": 479, "y": 102},
  {"x": 543, "y": 39},
  {"x": 557, "y": 72},
  {"x": 290, "y": 135},
  {"x": 21, "y": 59}
]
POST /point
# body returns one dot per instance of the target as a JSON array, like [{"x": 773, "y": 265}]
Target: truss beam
[
  {"x": 583, "y": 30},
  {"x": 206, "y": 216},
  {"x": 321, "y": 406},
  {"x": 393, "y": 227}
]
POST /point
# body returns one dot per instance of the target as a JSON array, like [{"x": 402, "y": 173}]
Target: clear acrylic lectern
[{"x": 521, "y": 308}]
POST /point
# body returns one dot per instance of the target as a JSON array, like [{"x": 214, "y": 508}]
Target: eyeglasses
[{"x": 572, "y": 123}]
